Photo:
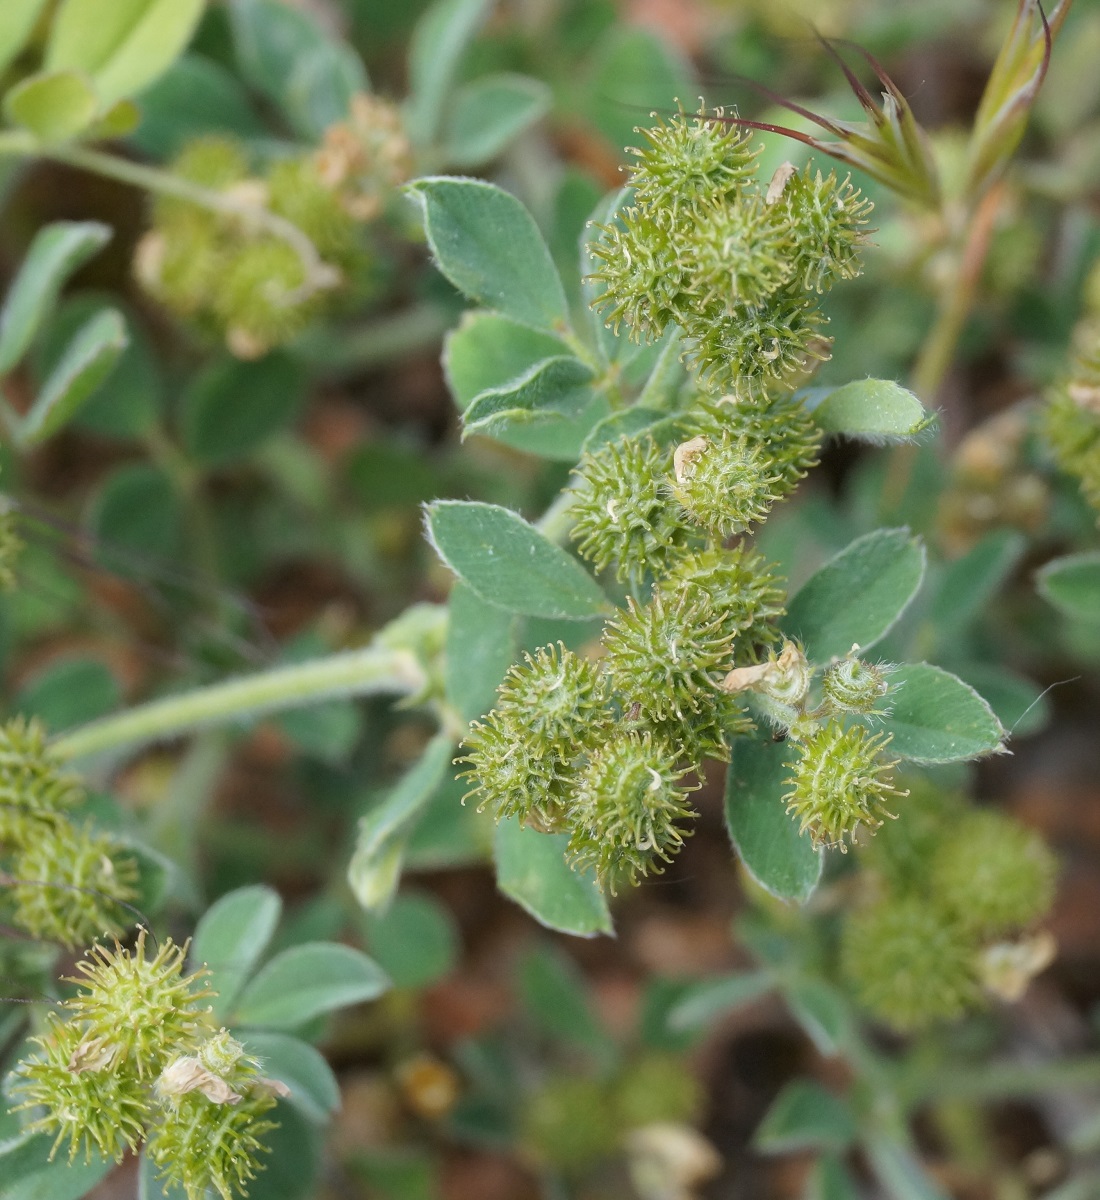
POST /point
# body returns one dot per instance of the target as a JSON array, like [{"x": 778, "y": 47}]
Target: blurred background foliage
[{"x": 217, "y": 508}]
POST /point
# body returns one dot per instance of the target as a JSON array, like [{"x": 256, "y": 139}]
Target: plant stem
[
  {"x": 957, "y": 300},
  {"x": 342, "y": 351},
  {"x": 1002, "y": 1081},
  {"x": 318, "y": 273},
  {"x": 373, "y": 670}
]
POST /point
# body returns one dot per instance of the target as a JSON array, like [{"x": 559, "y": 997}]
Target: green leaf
[
  {"x": 936, "y": 718},
  {"x": 56, "y": 252},
  {"x": 488, "y": 350},
  {"x": 872, "y": 410},
  {"x": 766, "y": 839},
  {"x": 532, "y": 871},
  {"x": 53, "y": 105},
  {"x": 415, "y": 941},
  {"x": 438, "y": 43},
  {"x": 231, "y": 937},
  {"x": 805, "y": 1116},
  {"x": 83, "y": 367},
  {"x": 487, "y": 244},
  {"x": 233, "y": 407},
  {"x": 970, "y": 582},
  {"x": 306, "y": 981},
  {"x": 1018, "y": 703},
  {"x": 634, "y": 71},
  {"x": 17, "y": 21},
  {"x": 898, "y": 1169},
  {"x": 821, "y": 1012},
  {"x": 375, "y": 866},
  {"x": 555, "y": 996},
  {"x": 549, "y": 390},
  {"x": 29, "y": 1172},
  {"x": 193, "y": 98},
  {"x": 509, "y": 564},
  {"x": 286, "y": 55},
  {"x": 137, "y": 510},
  {"x": 1072, "y": 585},
  {"x": 619, "y": 425},
  {"x": 486, "y": 115},
  {"x": 830, "y": 1180},
  {"x": 68, "y": 691},
  {"x": 710, "y": 999},
  {"x": 127, "y": 403},
  {"x": 480, "y": 649},
  {"x": 314, "y": 1089},
  {"x": 123, "y": 45},
  {"x": 856, "y": 597}
]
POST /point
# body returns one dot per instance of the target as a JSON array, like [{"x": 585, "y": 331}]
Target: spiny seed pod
[
  {"x": 645, "y": 284},
  {"x": 700, "y": 735},
  {"x": 295, "y": 191},
  {"x": 782, "y": 428},
  {"x": 627, "y": 802},
  {"x": 212, "y": 162},
  {"x": 568, "y": 1123},
  {"x": 902, "y": 852},
  {"x": 911, "y": 964},
  {"x": 825, "y": 222},
  {"x": 658, "y": 1087},
  {"x": 32, "y": 782},
  {"x": 667, "y": 656},
  {"x": 261, "y": 299},
  {"x": 994, "y": 874},
  {"x": 772, "y": 345},
  {"x": 621, "y": 512},
  {"x": 143, "y": 1007},
  {"x": 736, "y": 256},
  {"x": 70, "y": 884},
  {"x": 723, "y": 485},
  {"x": 202, "y": 1145},
  {"x": 515, "y": 774},
  {"x": 558, "y": 698},
  {"x": 691, "y": 159},
  {"x": 739, "y": 584},
  {"x": 841, "y": 783},
  {"x": 1071, "y": 424},
  {"x": 855, "y": 686},
  {"x": 84, "y": 1098}
]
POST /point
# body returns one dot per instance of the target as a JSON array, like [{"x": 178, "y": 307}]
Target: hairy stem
[{"x": 373, "y": 670}]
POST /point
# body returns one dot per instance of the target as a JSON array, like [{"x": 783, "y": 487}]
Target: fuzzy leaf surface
[
  {"x": 548, "y": 391},
  {"x": 711, "y": 999},
  {"x": 766, "y": 839},
  {"x": 313, "y": 1086},
  {"x": 532, "y": 871},
  {"x": 17, "y": 20},
  {"x": 53, "y": 105},
  {"x": 375, "y": 866},
  {"x": 56, "y": 252},
  {"x": 936, "y": 718},
  {"x": 124, "y": 45},
  {"x": 510, "y": 564},
  {"x": 480, "y": 649},
  {"x": 488, "y": 245},
  {"x": 856, "y": 597},
  {"x": 305, "y": 981},
  {"x": 872, "y": 410},
  {"x": 85, "y": 364},
  {"x": 231, "y": 937},
  {"x": 489, "y": 113},
  {"x": 1072, "y": 585}
]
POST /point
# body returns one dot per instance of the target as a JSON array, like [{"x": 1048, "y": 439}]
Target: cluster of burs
[
  {"x": 250, "y": 252},
  {"x": 608, "y": 748}
]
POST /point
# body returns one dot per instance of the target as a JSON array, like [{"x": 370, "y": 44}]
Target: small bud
[{"x": 855, "y": 686}]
